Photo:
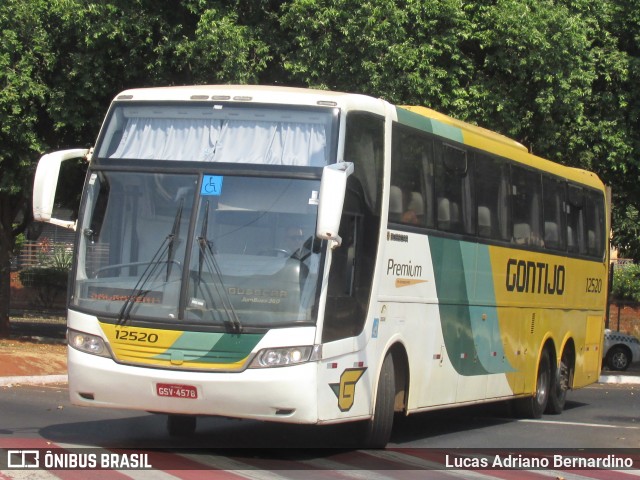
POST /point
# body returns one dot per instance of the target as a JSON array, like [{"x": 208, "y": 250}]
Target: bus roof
[
  {"x": 255, "y": 94},
  {"x": 483, "y": 139}
]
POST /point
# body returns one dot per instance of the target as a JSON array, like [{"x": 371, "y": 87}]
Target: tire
[
  {"x": 618, "y": 358},
  {"x": 534, "y": 405},
  {"x": 377, "y": 431},
  {"x": 559, "y": 386},
  {"x": 181, "y": 425}
]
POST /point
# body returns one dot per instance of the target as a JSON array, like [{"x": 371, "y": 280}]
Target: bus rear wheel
[
  {"x": 533, "y": 406},
  {"x": 377, "y": 431},
  {"x": 559, "y": 387},
  {"x": 181, "y": 425}
]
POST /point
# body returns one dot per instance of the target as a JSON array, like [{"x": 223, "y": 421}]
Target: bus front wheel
[
  {"x": 534, "y": 405},
  {"x": 377, "y": 431}
]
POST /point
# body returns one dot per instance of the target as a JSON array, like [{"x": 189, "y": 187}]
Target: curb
[
  {"x": 619, "y": 379},
  {"x": 33, "y": 380}
]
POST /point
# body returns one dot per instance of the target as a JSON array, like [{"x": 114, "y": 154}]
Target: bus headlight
[
  {"x": 281, "y": 357},
  {"x": 87, "y": 343}
]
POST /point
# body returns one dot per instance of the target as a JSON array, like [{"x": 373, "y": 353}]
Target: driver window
[{"x": 344, "y": 311}]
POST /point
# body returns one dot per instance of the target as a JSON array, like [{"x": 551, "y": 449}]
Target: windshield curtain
[
  {"x": 219, "y": 133},
  {"x": 253, "y": 260}
]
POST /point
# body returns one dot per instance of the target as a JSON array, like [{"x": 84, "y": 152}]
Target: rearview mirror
[
  {"x": 46, "y": 182},
  {"x": 332, "y": 191}
]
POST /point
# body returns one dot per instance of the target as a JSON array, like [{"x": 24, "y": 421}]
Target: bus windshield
[{"x": 246, "y": 257}]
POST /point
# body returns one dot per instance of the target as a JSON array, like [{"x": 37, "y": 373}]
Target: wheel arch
[
  {"x": 401, "y": 375},
  {"x": 398, "y": 350},
  {"x": 555, "y": 354},
  {"x": 549, "y": 345},
  {"x": 569, "y": 347}
]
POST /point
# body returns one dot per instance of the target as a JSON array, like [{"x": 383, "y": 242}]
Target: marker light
[
  {"x": 282, "y": 357},
  {"x": 87, "y": 343}
]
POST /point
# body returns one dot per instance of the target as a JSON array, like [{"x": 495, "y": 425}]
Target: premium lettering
[
  {"x": 526, "y": 276},
  {"x": 403, "y": 269}
]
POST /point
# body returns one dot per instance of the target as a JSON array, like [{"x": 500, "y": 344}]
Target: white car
[{"x": 620, "y": 350}]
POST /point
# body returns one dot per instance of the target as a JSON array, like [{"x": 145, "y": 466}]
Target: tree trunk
[
  {"x": 5, "y": 293},
  {"x": 10, "y": 205},
  {"x": 5, "y": 275}
]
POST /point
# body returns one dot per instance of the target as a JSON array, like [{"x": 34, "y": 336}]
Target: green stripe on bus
[
  {"x": 430, "y": 125},
  {"x": 471, "y": 332},
  {"x": 453, "y": 302},
  {"x": 203, "y": 347},
  {"x": 483, "y": 313}
]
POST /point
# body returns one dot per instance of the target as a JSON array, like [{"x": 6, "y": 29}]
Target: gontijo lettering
[{"x": 526, "y": 276}]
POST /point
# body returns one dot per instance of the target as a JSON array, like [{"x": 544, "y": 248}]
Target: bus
[{"x": 313, "y": 257}]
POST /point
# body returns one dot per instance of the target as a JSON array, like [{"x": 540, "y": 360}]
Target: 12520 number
[
  {"x": 136, "y": 336},
  {"x": 594, "y": 285}
]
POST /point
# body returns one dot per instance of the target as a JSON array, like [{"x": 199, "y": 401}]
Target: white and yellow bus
[{"x": 314, "y": 257}]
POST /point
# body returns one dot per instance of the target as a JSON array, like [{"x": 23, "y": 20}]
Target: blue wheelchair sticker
[{"x": 211, "y": 185}]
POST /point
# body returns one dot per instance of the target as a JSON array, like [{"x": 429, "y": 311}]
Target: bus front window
[
  {"x": 254, "y": 260},
  {"x": 132, "y": 244}
]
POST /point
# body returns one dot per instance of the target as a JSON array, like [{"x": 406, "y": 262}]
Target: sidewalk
[
  {"x": 35, "y": 353},
  {"x": 631, "y": 376}
]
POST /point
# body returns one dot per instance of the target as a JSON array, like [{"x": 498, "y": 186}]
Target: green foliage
[
  {"x": 406, "y": 52},
  {"x": 20, "y": 239},
  {"x": 626, "y": 283},
  {"x": 44, "y": 277},
  {"x": 60, "y": 257},
  {"x": 225, "y": 50},
  {"x": 49, "y": 278},
  {"x": 47, "y": 282}
]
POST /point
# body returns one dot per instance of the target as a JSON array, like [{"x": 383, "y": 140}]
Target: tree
[
  {"x": 24, "y": 58},
  {"x": 624, "y": 27},
  {"x": 626, "y": 283},
  {"x": 406, "y": 51}
]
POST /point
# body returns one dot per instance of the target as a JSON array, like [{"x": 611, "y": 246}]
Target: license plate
[{"x": 176, "y": 391}]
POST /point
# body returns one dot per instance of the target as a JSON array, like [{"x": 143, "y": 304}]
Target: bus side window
[
  {"x": 345, "y": 310},
  {"x": 353, "y": 263},
  {"x": 492, "y": 183},
  {"x": 364, "y": 146},
  {"x": 455, "y": 206},
  {"x": 395, "y": 204},
  {"x": 411, "y": 192},
  {"x": 575, "y": 220},
  {"x": 595, "y": 224},
  {"x": 343, "y": 262},
  {"x": 553, "y": 212},
  {"x": 526, "y": 206}
]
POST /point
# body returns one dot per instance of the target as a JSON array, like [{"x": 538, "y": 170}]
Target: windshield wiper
[
  {"x": 173, "y": 238},
  {"x": 207, "y": 254},
  {"x": 167, "y": 246}
]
